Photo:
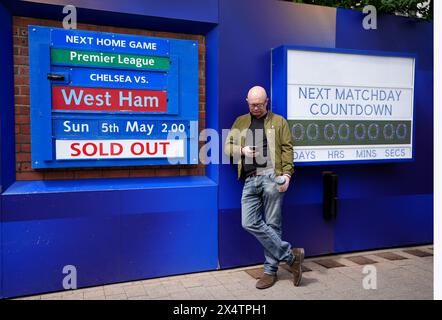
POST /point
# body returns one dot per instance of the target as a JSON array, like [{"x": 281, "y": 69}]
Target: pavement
[{"x": 396, "y": 274}]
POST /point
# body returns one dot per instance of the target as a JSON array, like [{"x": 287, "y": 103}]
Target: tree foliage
[{"x": 411, "y": 8}]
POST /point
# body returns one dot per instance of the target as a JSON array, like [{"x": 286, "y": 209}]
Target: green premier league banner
[{"x": 345, "y": 106}]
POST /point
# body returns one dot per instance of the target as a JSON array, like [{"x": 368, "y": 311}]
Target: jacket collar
[{"x": 267, "y": 117}]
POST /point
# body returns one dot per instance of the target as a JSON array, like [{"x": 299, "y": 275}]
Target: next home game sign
[
  {"x": 345, "y": 106},
  {"x": 101, "y": 99}
]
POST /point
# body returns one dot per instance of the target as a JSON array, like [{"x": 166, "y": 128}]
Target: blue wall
[
  {"x": 376, "y": 208},
  {"x": 393, "y": 204},
  {"x": 122, "y": 229},
  {"x": 110, "y": 230},
  {"x": 7, "y": 148}
]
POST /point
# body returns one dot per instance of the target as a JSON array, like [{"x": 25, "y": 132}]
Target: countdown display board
[
  {"x": 104, "y": 99},
  {"x": 345, "y": 106}
]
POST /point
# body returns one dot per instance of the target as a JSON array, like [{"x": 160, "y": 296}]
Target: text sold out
[{"x": 68, "y": 149}]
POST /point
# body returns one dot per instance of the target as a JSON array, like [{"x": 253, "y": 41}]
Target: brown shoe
[
  {"x": 296, "y": 267},
  {"x": 266, "y": 281}
]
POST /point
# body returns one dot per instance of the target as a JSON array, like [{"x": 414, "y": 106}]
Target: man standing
[{"x": 261, "y": 143}]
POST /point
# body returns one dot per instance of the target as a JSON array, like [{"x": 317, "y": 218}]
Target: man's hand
[
  {"x": 249, "y": 152},
  {"x": 285, "y": 186}
]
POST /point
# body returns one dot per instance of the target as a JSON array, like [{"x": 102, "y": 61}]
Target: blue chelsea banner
[
  {"x": 104, "y": 99},
  {"x": 345, "y": 106}
]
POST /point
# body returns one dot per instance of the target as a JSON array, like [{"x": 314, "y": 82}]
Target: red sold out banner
[{"x": 106, "y": 99}]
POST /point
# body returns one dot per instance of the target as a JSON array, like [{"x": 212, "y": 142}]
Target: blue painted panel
[
  {"x": 45, "y": 232},
  {"x": 112, "y": 230},
  {"x": 381, "y": 222},
  {"x": 192, "y": 10},
  {"x": 400, "y": 34},
  {"x": 7, "y": 145},
  {"x": 237, "y": 246},
  {"x": 164, "y": 237},
  {"x": 394, "y": 33},
  {"x": 7, "y": 138},
  {"x": 401, "y": 213},
  {"x": 40, "y": 95},
  {"x": 278, "y": 86},
  {"x": 26, "y": 188},
  {"x": 212, "y": 108}
]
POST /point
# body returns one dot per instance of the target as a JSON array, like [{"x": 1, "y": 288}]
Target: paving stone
[
  {"x": 173, "y": 286},
  {"x": 386, "y": 266},
  {"x": 70, "y": 292},
  {"x": 74, "y": 296},
  {"x": 134, "y": 291},
  {"x": 226, "y": 279},
  {"x": 313, "y": 266},
  {"x": 210, "y": 280},
  {"x": 52, "y": 294},
  {"x": 191, "y": 282},
  {"x": 391, "y": 256},
  {"x": 329, "y": 263},
  {"x": 184, "y": 295},
  {"x": 155, "y": 290},
  {"x": 96, "y": 298},
  {"x": 418, "y": 253},
  {"x": 93, "y": 294},
  {"x": 114, "y": 290},
  {"x": 198, "y": 291},
  {"x": 235, "y": 286},
  {"x": 60, "y": 297},
  {"x": 121, "y": 296},
  {"x": 150, "y": 281},
  {"x": 418, "y": 271},
  {"x": 220, "y": 290},
  {"x": 255, "y": 273},
  {"x": 361, "y": 260},
  {"x": 345, "y": 262},
  {"x": 30, "y": 298},
  {"x": 140, "y": 298},
  {"x": 92, "y": 289}
]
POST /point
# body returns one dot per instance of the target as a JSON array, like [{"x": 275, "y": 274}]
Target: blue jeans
[{"x": 260, "y": 192}]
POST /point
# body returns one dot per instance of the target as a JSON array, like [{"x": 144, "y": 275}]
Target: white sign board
[{"x": 350, "y": 107}]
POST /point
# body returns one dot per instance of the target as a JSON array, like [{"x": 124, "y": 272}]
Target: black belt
[
  {"x": 251, "y": 174},
  {"x": 255, "y": 173}
]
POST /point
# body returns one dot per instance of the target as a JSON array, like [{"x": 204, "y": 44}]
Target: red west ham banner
[{"x": 106, "y": 99}]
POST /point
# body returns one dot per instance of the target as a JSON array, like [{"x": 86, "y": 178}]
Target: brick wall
[{"x": 22, "y": 115}]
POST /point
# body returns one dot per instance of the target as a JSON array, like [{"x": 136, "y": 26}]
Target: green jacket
[{"x": 279, "y": 140}]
